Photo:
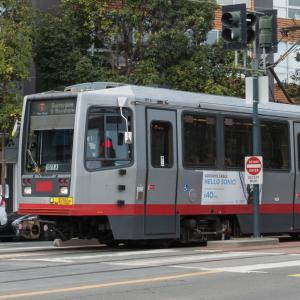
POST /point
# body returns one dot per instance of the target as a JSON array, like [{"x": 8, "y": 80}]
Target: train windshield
[{"x": 49, "y": 139}]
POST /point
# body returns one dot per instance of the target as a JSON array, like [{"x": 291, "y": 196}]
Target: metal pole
[
  {"x": 256, "y": 147},
  {"x": 3, "y": 167}
]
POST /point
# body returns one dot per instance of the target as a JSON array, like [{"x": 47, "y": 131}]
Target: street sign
[{"x": 253, "y": 169}]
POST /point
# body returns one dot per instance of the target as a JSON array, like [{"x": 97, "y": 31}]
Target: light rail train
[{"x": 131, "y": 163}]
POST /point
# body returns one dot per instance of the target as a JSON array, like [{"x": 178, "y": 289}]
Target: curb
[
  {"x": 243, "y": 243},
  {"x": 75, "y": 242}
]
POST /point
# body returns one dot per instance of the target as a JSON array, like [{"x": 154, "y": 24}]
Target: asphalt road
[{"x": 40, "y": 271}]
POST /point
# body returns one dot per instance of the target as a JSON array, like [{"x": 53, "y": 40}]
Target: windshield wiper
[{"x": 36, "y": 167}]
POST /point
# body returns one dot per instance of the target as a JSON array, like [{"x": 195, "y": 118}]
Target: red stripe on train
[{"x": 152, "y": 209}]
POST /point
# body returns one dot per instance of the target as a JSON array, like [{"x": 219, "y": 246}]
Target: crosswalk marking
[
  {"x": 221, "y": 269},
  {"x": 257, "y": 267},
  {"x": 254, "y": 268},
  {"x": 189, "y": 258},
  {"x": 70, "y": 259},
  {"x": 196, "y": 256}
]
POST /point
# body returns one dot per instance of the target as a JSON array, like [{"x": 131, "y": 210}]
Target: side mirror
[
  {"x": 128, "y": 137},
  {"x": 6, "y": 190},
  {"x": 127, "y": 134},
  {"x": 16, "y": 130},
  {"x": 122, "y": 101}
]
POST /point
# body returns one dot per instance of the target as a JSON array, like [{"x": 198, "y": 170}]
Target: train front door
[{"x": 160, "y": 201}]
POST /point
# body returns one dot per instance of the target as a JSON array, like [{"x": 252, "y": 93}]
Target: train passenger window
[
  {"x": 161, "y": 144},
  {"x": 275, "y": 145},
  {"x": 238, "y": 141},
  {"x": 104, "y": 139},
  {"x": 199, "y": 141}
]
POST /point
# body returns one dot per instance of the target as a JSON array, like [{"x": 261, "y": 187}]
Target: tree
[
  {"x": 157, "y": 42},
  {"x": 293, "y": 88},
  {"x": 15, "y": 56}
]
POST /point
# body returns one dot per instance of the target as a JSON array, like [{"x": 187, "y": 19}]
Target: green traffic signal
[
  {"x": 267, "y": 31},
  {"x": 251, "y": 21},
  {"x": 234, "y": 26},
  {"x": 265, "y": 38}
]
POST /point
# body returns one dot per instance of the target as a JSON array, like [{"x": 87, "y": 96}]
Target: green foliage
[
  {"x": 15, "y": 56},
  {"x": 209, "y": 70},
  {"x": 157, "y": 42},
  {"x": 293, "y": 88}
]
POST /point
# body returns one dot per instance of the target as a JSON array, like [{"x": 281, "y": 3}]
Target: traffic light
[
  {"x": 265, "y": 32},
  {"x": 267, "y": 27},
  {"x": 234, "y": 32},
  {"x": 251, "y": 21}
]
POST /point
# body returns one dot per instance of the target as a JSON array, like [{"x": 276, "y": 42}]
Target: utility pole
[
  {"x": 256, "y": 145},
  {"x": 3, "y": 168}
]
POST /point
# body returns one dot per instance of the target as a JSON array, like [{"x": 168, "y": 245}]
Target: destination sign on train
[{"x": 45, "y": 108}]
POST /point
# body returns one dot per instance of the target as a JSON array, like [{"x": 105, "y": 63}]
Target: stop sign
[{"x": 253, "y": 169}]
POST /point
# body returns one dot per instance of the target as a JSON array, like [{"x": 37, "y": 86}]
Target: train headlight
[
  {"x": 27, "y": 190},
  {"x": 64, "y": 190}
]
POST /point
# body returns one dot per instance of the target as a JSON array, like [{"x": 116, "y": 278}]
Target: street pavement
[{"x": 37, "y": 270}]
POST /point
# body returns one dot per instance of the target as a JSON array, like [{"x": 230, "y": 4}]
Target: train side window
[
  {"x": 105, "y": 145},
  {"x": 275, "y": 145},
  {"x": 199, "y": 141},
  {"x": 238, "y": 141},
  {"x": 161, "y": 144}
]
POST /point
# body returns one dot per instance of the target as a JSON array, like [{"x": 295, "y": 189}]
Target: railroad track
[{"x": 110, "y": 261}]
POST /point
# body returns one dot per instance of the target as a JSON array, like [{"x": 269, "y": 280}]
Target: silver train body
[{"x": 178, "y": 176}]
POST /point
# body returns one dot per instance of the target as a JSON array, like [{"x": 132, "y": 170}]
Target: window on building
[
  {"x": 294, "y": 13},
  {"x": 161, "y": 144},
  {"x": 105, "y": 138},
  {"x": 229, "y": 2},
  {"x": 287, "y": 8},
  {"x": 275, "y": 145},
  {"x": 212, "y": 37},
  {"x": 199, "y": 140},
  {"x": 288, "y": 66},
  {"x": 294, "y": 3},
  {"x": 238, "y": 141}
]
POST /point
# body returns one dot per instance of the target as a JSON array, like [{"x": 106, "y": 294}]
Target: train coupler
[{"x": 34, "y": 228}]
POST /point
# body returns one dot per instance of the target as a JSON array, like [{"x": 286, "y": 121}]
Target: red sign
[
  {"x": 253, "y": 169},
  {"x": 253, "y": 165},
  {"x": 151, "y": 187}
]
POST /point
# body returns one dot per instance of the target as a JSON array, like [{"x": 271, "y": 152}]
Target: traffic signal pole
[
  {"x": 256, "y": 144},
  {"x": 238, "y": 30}
]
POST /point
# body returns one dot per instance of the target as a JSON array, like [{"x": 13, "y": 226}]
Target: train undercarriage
[{"x": 192, "y": 229}]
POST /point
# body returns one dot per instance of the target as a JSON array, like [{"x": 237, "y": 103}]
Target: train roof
[
  {"x": 177, "y": 98},
  {"x": 198, "y": 100}
]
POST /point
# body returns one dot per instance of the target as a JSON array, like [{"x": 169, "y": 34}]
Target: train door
[
  {"x": 160, "y": 202},
  {"x": 297, "y": 174}
]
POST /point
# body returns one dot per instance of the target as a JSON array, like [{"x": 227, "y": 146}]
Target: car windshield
[{"x": 49, "y": 141}]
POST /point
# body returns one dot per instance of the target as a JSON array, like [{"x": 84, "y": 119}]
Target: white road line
[
  {"x": 15, "y": 249},
  {"x": 255, "y": 268},
  {"x": 71, "y": 259},
  {"x": 190, "y": 258},
  {"x": 206, "y": 269},
  {"x": 11, "y": 244}
]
